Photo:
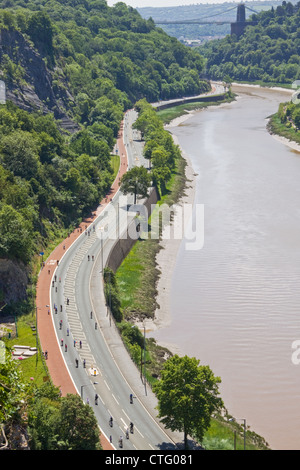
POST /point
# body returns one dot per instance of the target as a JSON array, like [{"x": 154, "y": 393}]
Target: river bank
[{"x": 166, "y": 258}]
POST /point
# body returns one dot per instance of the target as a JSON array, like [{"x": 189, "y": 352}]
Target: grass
[
  {"x": 138, "y": 274},
  {"x": 32, "y": 367},
  {"x": 167, "y": 115},
  {"x": 275, "y": 126},
  {"x": 115, "y": 164}
]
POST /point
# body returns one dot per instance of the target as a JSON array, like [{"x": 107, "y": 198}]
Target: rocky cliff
[{"x": 29, "y": 83}]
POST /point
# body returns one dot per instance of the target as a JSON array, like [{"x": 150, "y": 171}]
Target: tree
[
  {"x": 15, "y": 234},
  {"x": 136, "y": 181},
  {"x": 187, "y": 396},
  {"x": 77, "y": 426}
]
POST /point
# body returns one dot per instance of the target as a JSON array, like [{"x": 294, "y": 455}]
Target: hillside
[
  {"x": 267, "y": 52},
  {"x": 206, "y": 11},
  {"x": 71, "y": 68}
]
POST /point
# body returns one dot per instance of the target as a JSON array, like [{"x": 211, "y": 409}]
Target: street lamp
[
  {"x": 144, "y": 359},
  {"x": 101, "y": 239},
  {"x": 85, "y": 385},
  {"x": 244, "y": 421}
]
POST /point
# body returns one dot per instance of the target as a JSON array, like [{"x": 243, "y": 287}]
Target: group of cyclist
[{"x": 130, "y": 429}]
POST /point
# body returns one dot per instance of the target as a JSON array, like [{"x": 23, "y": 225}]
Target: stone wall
[{"x": 124, "y": 244}]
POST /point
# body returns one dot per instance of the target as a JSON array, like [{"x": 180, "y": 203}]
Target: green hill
[
  {"x": 71, "y": 68},
  {"x": 267, "y": 52}
]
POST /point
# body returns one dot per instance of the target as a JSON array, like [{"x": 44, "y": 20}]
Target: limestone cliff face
[
  {"x": 34, "y": 90},
  {"x": 13, "y": 281}
]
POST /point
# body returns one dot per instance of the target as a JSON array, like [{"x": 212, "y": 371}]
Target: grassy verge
[
  {"x": 138, "y": 274},
  {"x": 167, "y": 115},
  {"x": 33, "y": 368},
  {"x": 115, "y": 164},
  {"x": 275, "y": 126}
]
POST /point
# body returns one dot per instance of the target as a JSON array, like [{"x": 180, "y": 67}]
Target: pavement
[{"x": 46, "y": 331}]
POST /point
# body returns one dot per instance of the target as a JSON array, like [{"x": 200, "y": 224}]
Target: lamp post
[
  {"x": 145, "y": 384},
  {"x": 85, "y": 385},
  {"x": 145, "y": 360},
  {"x": 244, "y": 421},
  {"x": 101, "y": 239}
]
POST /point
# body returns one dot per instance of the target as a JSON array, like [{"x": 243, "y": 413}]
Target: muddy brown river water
[{"x": 235, "y": 303}]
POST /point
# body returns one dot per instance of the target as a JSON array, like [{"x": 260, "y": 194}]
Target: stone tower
[{"x": 239, "y": 26}]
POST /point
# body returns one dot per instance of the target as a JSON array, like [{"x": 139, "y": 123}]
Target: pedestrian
[
  {"x": 61, "y": 308},
  {"x": 76, "y": 362},
  {"x": 96, "y": 399},
  {"x": 62, "y": 342},
  {"x": 74, "y": 343},
  {"x": 84, "y": 363},
  {"x": 91, "y": 315},
  {"x": 68, "y": 301},
  {"x": 68, "y": 331},
  {"x": 66, "y": 348},
  {"x": 95, "y": 325},
  {"x": 80, "y": 344},
  {"x": 60, "y": 324},
  {"x": 46, "y": 354}
]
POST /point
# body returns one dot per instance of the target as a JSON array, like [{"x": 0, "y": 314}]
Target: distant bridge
[{"x": 236, "y": 27}]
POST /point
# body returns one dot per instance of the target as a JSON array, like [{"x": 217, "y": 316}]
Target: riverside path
[{"x": 85, "y": 352}]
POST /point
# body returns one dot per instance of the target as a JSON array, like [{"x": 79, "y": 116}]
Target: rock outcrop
[{"x": 33, "y": 91}]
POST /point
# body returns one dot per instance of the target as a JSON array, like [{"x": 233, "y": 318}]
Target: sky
[{"x": 162, "y": 3}]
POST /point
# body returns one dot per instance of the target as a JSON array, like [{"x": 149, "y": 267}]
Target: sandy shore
[{"x": 167, "y": 256}]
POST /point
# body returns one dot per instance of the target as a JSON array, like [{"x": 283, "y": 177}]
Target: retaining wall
[{"x": 123, "y": 245}]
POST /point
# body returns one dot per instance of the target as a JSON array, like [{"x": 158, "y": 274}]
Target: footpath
[{"x": 46, "y": 331}]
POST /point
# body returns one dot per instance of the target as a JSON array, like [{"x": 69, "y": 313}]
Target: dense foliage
[
  {"x": 159, "y": 147},
  {"x": 45, "y": 180},
  {"x": 289, "y": 114},
  {"x": 46, "y": 420},
  {"x": 105, "y": 52},
  {"x": 268, "y": 51}
]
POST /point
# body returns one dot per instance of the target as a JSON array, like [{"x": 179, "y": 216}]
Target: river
[{"x": 235, "y": 303}]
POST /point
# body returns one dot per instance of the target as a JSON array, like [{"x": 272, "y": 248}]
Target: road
[
  {"x": 216, "y": 89},
  {"x": 87, "y": 334}
]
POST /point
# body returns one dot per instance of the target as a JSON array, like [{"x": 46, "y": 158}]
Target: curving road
[{"x": 90, "y": 345}]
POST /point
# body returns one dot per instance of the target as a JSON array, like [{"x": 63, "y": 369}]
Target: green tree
[
  {"x": 77, "y": 425},
  {"x": 19, "y": 152},
  {"x": 15, "y": 234},
  {"x": 136, "y": 181},
  {"x": 187, "y": 396},
  {"x": 40, "y": 30}
]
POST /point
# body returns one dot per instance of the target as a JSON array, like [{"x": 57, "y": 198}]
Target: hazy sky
[{"x": 162, "y": 3}]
